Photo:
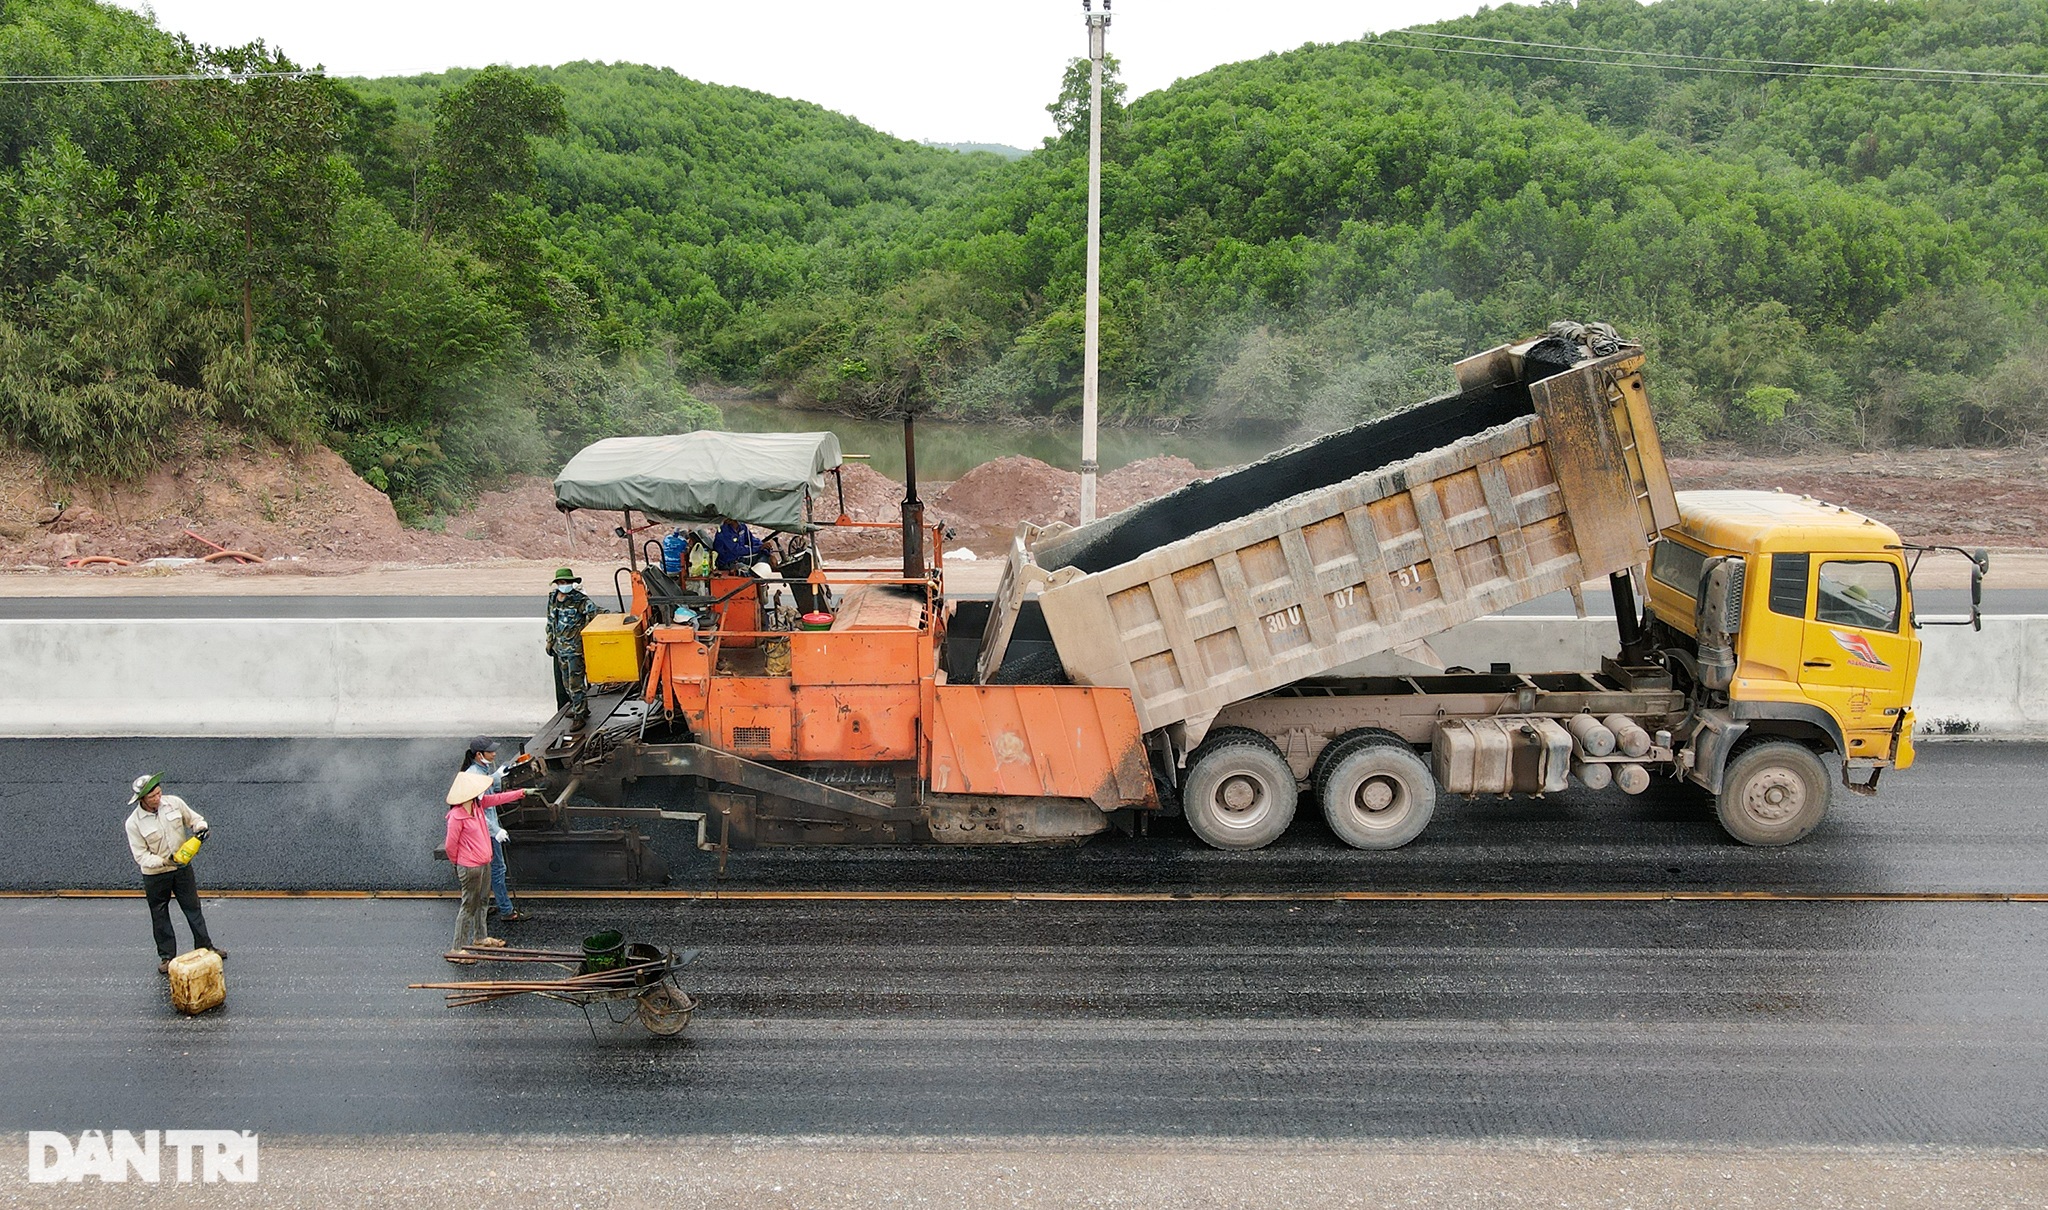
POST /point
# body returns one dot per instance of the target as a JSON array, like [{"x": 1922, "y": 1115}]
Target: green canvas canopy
[{"x": 760, "y": 478}]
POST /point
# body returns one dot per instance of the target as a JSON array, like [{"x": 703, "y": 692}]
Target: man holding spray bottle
[{"x": 163, "y": 836}]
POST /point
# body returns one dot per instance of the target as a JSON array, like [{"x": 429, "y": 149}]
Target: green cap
[
  {"x": 143, "y": 785},
  {"x": 564, "y": 573}
]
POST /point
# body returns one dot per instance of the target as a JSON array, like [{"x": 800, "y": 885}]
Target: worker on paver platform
[
  {"x": 736, "y": 548},
  {"x": 163, "y": 836},
  {"x": 569, "y": 611}
]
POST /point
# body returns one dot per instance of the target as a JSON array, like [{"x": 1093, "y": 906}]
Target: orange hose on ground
[
  {"x": 239, "y": 555},
  {"x": 97, "y": 561}
]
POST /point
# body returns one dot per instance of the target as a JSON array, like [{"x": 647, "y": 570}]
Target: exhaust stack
[{"x": 913, "y": 508}]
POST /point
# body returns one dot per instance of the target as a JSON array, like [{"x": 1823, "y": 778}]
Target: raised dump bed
[{"x": 1542, "y": 471}]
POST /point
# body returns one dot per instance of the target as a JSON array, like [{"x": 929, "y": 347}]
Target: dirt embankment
[
  {"x": 307, "y": 512},
  {"x": 1943, "y": 497},
  {"x": 296, "y": 510},
  {"x": 982, "y": 507}
]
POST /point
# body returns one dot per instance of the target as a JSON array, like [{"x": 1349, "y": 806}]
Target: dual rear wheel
[{"x": 1374, "y": 791}]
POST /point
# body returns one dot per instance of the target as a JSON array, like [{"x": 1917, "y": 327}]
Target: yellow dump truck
[{"x": 1776, "y": 632}]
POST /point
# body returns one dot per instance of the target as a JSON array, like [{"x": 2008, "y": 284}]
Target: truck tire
[
  {"x": 1773, "y": 793},
  {"x": 1338, "y": 747},
  {"x": 1239, "y": 793},
  {"x": 1378, "y": 795}
]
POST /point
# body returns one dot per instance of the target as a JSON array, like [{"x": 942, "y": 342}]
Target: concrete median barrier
[
  {"x": 403, "y": 677},
  {"x": 273, "y": 677}
]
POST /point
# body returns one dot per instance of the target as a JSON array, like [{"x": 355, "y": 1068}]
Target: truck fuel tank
[{"x": 1502, "y": 754}]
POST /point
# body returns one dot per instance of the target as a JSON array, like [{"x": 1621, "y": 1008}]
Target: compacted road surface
[
  {"x": 1565, "y": 998},
  {"x": 1641, "y": 1022}
]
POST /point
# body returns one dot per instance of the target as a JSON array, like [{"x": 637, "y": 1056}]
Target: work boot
[{"x": 164, "y": 967}]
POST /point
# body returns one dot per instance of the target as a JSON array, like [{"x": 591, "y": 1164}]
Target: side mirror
[{"x": 1981, "y": 559}]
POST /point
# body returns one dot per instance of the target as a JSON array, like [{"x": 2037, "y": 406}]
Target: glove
[
  {"x": 201, "y": 833},
  {"x": 503, "y": 836}
]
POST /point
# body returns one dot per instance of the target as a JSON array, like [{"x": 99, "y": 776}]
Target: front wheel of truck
[
  {"x": 1239, "y": 794},
  {"x": 1773, "y": 793}
]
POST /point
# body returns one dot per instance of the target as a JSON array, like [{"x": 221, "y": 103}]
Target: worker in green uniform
[{"x": 569, "y": 611}]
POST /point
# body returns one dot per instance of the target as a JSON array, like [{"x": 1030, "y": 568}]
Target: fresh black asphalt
[
  {"x": 366, "y": 814},
  {"x": 1742, "y": 1024},
  {"x": 1660, "y": 1022}
]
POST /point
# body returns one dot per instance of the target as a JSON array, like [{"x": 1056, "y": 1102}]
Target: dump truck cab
[{"x": 1794, "y": 619}]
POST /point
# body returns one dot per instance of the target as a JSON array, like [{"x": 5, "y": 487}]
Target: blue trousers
[{"x": 501, "y": 895}]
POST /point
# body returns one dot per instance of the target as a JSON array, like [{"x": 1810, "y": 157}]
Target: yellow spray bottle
[{"x": 187, "y": 851}]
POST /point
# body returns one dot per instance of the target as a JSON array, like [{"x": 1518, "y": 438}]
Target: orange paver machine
[{"x": 771, "y": 697}]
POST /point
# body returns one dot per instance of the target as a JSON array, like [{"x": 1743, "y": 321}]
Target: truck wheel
[
  {"x": 1341, "y": 746},
  {"x": 1240, "y": 794},
  {"x": 1773, "y": 793},
  {"x": 1378, "y": 795}
]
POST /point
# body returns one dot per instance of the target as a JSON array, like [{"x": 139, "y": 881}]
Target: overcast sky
[{"x": 973, "y": 71}]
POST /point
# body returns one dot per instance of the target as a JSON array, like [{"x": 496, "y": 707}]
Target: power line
[
  {"x": 1767, "y": 67},
  {"x": 234, "y": 78},
  {"x": 1672, "y": 54}
]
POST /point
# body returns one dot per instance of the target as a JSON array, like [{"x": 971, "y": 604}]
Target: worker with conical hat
[
  {"x": 468, "y": 845},
  {"x": 569, "y": 611}
]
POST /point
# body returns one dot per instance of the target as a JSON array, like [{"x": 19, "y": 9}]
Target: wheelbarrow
[{"x": 642, "y": 978}]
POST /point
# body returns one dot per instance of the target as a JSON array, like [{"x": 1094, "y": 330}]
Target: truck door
[{"x": 1856, "y": 654}]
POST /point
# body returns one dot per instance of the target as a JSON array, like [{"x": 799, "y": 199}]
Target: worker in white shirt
[{"x": 163, "y": 835}]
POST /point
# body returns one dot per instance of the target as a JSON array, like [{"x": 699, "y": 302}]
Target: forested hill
[
  {"x": 452, "y": 276},
  {"x": 1811, "y": 258},
  {"x": 696, "y": 201}
]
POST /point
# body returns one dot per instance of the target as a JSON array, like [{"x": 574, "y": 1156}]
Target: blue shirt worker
[
  {"x": 736, "y": 548},
  {"x": 569, "y": 611},
  {"x": 483, "y": 750}
]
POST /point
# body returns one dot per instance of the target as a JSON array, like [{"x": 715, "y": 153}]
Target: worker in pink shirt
[{"x": 469, "y": 849}]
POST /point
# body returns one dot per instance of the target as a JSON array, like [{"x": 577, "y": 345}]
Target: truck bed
[{"x": 1539, "y": 473}]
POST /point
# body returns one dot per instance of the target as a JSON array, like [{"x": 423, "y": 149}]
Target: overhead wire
[
  {"x": 1699, "y": 64},
  {"x": 224, "y": 77}
]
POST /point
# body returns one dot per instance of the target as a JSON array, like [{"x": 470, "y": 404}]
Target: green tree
[
  {"x": 258, "y": 181},
  {"x": 483, "y": 154}
]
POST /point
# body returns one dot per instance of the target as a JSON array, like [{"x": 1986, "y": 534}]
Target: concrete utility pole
[{"x": 1098, "y": 23}]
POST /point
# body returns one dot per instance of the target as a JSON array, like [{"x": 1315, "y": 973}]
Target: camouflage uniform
[{"x": 568, "y": 613}]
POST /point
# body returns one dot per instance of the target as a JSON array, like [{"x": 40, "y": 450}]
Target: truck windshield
[{"x": 1862, "y": 594}]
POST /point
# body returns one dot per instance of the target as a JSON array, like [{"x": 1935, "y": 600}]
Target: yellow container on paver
[
  {"x": 196, "y": 981},
  {"x": 611, "y": 648}
]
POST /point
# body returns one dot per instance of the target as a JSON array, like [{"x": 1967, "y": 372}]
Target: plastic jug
[
  {"x": 187, "y": 851},
  {"x": 196, "y": 982},
  {"x": 672, "y": 550}
]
